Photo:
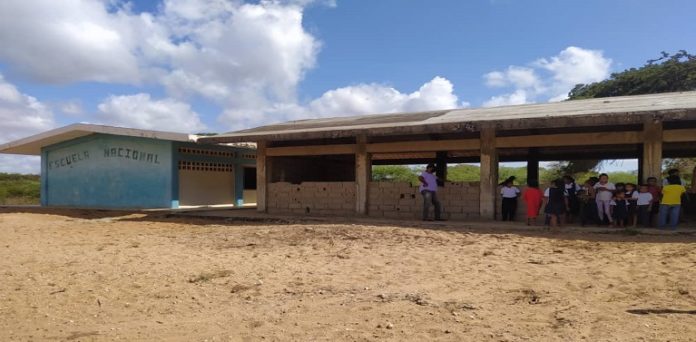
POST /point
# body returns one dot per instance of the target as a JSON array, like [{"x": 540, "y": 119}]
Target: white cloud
[
  {"x": 376, "y": 98},
  {"x": 21, "y": 115},
  {"x": 359, "y": 99},
  {"x": 140, "y": 111},
  {"x": 560, "y": 74},
  {"x": 519, "y": 77},
  {"x": 517, "y": 97},
  {"x": 72, "y": 108},
  {"x": 575, "y": 65},
  {"x": 69, "y": 40},
  {"x": 20, "y": 164},
  {"x": 243, "y": 56}
]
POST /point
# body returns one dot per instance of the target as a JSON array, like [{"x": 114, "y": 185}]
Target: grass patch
[{"x": 16, "y": 189}]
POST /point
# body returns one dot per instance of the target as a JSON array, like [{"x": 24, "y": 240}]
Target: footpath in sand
[{"x": 102, "y": 276}]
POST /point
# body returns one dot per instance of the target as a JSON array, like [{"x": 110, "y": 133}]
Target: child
[
  {"x": 603, "y": 198},
  {"x": 509, "y": 192},
  {"x": 630, "y": 193},
  {"x": 533, "y": 197},
  {"x": 619, "y": 209},
  {"x": 656, "y": 191},
  {"x": 572, "y": 190},
  {"x": 644, "y": 204},
  {"x": 556, "y": 203},
  {"x": 588, "y": 204}
]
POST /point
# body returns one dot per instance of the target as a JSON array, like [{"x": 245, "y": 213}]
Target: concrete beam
[{"x": 570, "y": 139}]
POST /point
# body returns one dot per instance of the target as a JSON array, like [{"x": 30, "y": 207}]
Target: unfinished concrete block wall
[
  {"x": 312, "y": 198},
  {"x": 460, "y": 201}
]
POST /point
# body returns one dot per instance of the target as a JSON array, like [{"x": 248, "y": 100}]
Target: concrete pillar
[
  {"x": 652, "y": 149},
  {"x": 532, "y": 165},
  {"x": 363, "y": 175},
  {"x": 238, "y": 185},
  {"x": 489, "y": 174},
  {"x": 441, "y": 167},
  {"x": 261, "y": 176}
]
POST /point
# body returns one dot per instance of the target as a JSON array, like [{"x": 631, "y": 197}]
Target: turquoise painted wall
[{"x": 106, "y": 171}]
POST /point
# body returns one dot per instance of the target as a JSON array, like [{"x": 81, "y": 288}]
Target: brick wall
[
  {"x": 312, "y": 198},
  {"x": 460, "y": 201}
]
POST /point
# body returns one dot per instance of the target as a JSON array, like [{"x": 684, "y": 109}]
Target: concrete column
[
  {"x": 261, "y": 176},
  {"x": 489, "y": 174},
  {"x": 532, "y": 165},
  {"x": 652, "y": 149},
  {"x": 363, "y": 175},
  {"x": 441, "y": 167},
  {"x": 238, "y": 185},
  {"x": 44, "y": 177}
]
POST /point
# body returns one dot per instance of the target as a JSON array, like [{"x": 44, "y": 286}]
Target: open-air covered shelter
[{"x": 323, "y": 166}]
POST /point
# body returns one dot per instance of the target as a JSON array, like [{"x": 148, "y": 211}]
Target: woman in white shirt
[{"x": 509, "y": 193}]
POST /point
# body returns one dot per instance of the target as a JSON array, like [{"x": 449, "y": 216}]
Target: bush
[{"x": 19, "y": 189}]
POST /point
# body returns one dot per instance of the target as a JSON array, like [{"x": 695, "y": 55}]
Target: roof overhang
[
  {"x": 623, "y": 110},
  {"x": 32, "y": 145}
]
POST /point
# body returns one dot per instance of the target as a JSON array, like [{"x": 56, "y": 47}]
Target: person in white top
[
  {"x": 509, "y": 193},
  {"x": 644, "y": 201},
  {"x": 428, "y": 189},
  {"x": 605, "y": 192}
]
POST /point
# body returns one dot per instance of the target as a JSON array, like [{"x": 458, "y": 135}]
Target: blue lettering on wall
[
  {"x": 127, "y": 153},
  {"x": 68, "y": 160}
]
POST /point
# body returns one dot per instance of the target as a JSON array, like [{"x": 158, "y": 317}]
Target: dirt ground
[{"x": 102, "y": 276}]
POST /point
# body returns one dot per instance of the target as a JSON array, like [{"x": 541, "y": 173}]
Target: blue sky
[{"x": 218, "y": 65}]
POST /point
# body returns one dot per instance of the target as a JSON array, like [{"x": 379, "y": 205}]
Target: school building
[
  {"x": 323, "y": 166},
  {"x": 94, "y": 166}
]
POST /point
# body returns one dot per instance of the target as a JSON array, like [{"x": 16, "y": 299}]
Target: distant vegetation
[
  {"x": 19, "y": 189},
  {"x": 471, "y": 173}
]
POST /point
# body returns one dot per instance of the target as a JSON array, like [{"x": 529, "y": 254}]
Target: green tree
[
  {"x": 394, "y": 173},
  {"x": 668, "y": 73}
]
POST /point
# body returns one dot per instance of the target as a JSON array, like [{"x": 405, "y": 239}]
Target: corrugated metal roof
[
  {"x": 624, "y": 109},
  {"x": 32, "y": 145}
]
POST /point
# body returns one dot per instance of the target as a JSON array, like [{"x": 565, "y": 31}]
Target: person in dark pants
[
  {"x": 588, "y": 204},
  {"x": 509, "y": 193},
  {"x": 428, "y": 189},
  {"x": 556, "y": 199},
  {"x": 644, "y": 200}
]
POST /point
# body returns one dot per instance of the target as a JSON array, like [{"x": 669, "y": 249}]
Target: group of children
[{"x": 599, "y": 201}]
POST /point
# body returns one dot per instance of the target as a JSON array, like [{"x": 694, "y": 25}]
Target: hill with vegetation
[
  {"x": 471, "y": 173},
  {"x": 19, "y": 189}
]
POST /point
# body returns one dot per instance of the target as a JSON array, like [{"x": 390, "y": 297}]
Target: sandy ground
[{"x": 84, "y": 276}]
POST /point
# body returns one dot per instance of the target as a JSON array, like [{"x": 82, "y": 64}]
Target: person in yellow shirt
[{"x": 670, "y": 205}]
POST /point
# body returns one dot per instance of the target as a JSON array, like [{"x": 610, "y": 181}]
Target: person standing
[
  {"x": 428, "y": 189},
  {"x": 605, "y": 193},
  {"x": 572, "y": 189},
  {"x": 509, "y": 192},
  {"x": 656, "y": 192},
  {"x": 644, "y": 200},
  {"x": 533, "y": 197},
  {"x": 670, "y": 205},
  {"x": 556, "y": 205}
]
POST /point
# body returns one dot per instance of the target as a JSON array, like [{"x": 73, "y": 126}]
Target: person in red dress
[{"x": 533, "y": 197}]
